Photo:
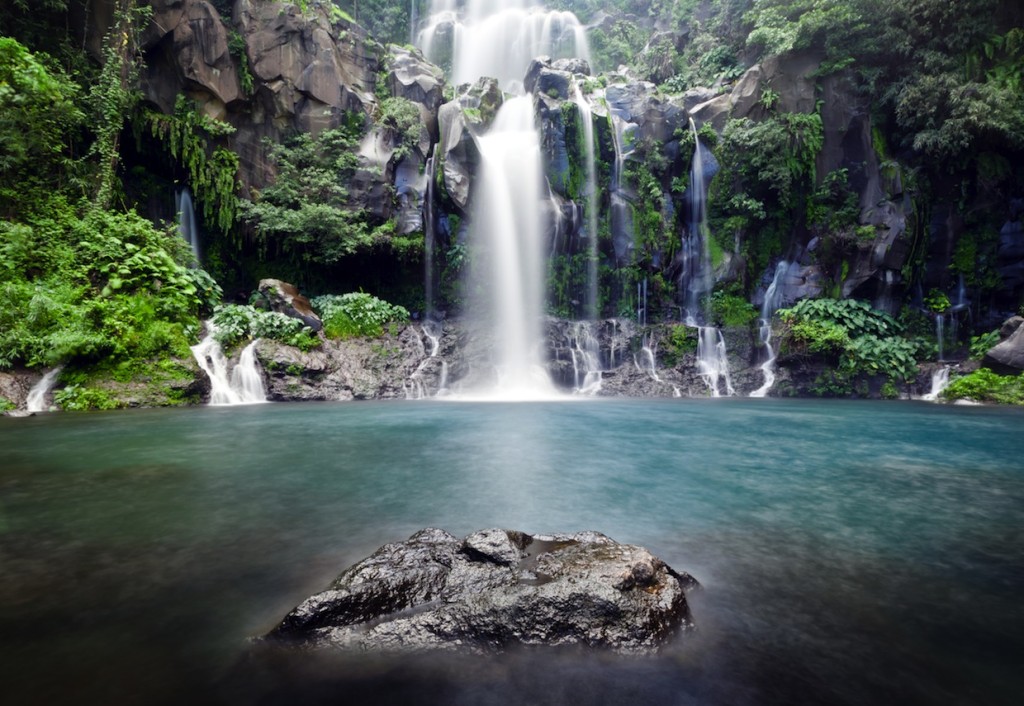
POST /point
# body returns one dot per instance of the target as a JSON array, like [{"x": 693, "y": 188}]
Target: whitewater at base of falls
[
  {"x": 241, "y": 385},
  {"x": 36, "y": 400},
  {"x": 713, "y": 361},
  {"x": 940, "y": 381}
]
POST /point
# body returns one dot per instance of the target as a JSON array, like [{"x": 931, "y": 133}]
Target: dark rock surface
[
  {"x": 285, "y": 298},
  {"x": 494, "y": 590},
  {"x": 1007, "y": 356}
]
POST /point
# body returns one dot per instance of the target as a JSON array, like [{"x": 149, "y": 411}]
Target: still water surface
[{"x": 850, "y": 553}]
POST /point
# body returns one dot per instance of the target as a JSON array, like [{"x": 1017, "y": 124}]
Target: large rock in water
[{"x": 494, "y": 590}]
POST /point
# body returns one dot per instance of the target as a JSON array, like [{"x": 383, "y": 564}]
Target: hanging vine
[
  {"x": 113, "y": 97},
  {"x": 212, "y": 174}
]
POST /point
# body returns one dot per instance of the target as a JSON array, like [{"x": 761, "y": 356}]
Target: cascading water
[
  {"x": 698, "y": 279},
  {"x": 507, "y": 232},
  {"x": 586, "y": 358},
  {"x": 499, "y": 38},
  {"x": 187, "y": 228},
  {"x": 772, "y": 302},
  {"x": 940, "y": 334},
  {"x": 242, "y": 385},
  {"x": 586, "y": 119},
  {"x": 940, "y": 381},
  {"x": 36, "y": 400}
]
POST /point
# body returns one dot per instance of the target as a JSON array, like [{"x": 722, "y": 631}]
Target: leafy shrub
[
  {"x": 680, "y": 340},
  {"x": 356, "y": 314},
  {"x": 823, "y": 337},
  {"x": 6, "y": 405},
  {"x": 981, "y": 344},
  {"x": 857, "y": 317},
  {"x": 235, "y": 323},
  {"x": 732, "y": 310},
  {"x": 870, "y": 354},
  {"x": 78, "y": 398},
  {"x": 984, "y": 385}
]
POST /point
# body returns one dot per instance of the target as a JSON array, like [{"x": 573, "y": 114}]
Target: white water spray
[
  {"x": 243, "y": 385},
  {"x": 586, "y": 358},
  {"x": 590, "y": 206},
  {"x": 499, "y": 38},
  {"x": 187, "y": 227},
  {"x": 772, "y": 302},
  {"x": 940, "y": 381},
  {"x": 507, "y": 231},
  {"x": 36, "y": 400}
]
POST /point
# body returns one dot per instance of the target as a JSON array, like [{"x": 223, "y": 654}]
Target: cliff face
[{"x": 271, "y": 69}]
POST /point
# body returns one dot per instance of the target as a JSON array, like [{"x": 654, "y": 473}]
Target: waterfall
[
  {"x": 698, "y": 279},
  {"x": 414, "y": 387},
  {"x": 187, "y": 228},
  {"x": 36, "y": 400},
  {"x": 429, "y": 234},
  {"x": 647, "y": 361},
  {"x": 586, "y": 358},
  {"x": 243, "y": 385},
  {"x": 940, "y": 381},
  {"x": 772, "y": 301},
  {"x": 940, "y": 334},
  {"x": 499, "y": 38},
  {"x": 713, "y": 361},
  {"x": 507, "y": 230},
  {"x": 590, "y": 207}
]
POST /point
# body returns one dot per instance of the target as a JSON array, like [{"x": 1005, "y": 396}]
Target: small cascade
[
  {"x": 647, "y": 360},
  {"x": 713, "y": 361},
  {"x": 37, "y": 396},
  {"x": 772, "y": 302},
  {"x": 187, "y": 228},
  {"x": 499, "y": 39},
  {"x": 415, "y": 389},
  {"x": 940, "y": 381},
  {"x": 940, "y": 334},
  {"x": 621, "y": 213},
  {"x": 591, "y": 206},
  {"x": 586, "y": 358},
  {"x": 884, "y": 300},
  {"x": 246, "y": 379},
  {"x": 243, "y": 385},
  {"x": 641, "y": 302}
]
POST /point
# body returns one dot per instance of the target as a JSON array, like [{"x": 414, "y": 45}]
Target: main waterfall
[{"x": 507, "y": 276}]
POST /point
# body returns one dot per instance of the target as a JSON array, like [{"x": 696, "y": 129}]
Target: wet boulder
[
  {"x": 285, "y": 298},
  {"x": 1007, "y": 356},
  {"x": 494, "y": 590}
]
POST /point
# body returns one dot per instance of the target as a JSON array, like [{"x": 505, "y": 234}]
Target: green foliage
[
  {"x": 732, "y": 310},
  {"x": 855, "y": 316},
  {"x": 937, "y": 301},
  {"x": 401, "y": 117},
  {"x": 307, "y": 213},
  {"x": 114, "y": 96},
  {"x": 870, "y": 354},
  {"x": 982, "y": 343},
  {"x": 867, "y": 342},
  {"x": 984, "y": 385},
  {"x": 6, "y": 405},
  {"x": 356, "y": 314},
  {"x": 212, "y": 174},
  {"x": 235, "y": 323},
  {"x": 84, "y": 284},
  {"x": 79, "y": 398},
  {"x": 38, "y": 115},
  {"x": 680, "y": 341}
]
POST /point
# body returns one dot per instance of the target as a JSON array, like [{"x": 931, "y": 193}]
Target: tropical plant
[{"x": 356, "y": 314}]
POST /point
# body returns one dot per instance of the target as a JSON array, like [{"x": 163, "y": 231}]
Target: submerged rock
[{"x": 494, "y": 590}]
